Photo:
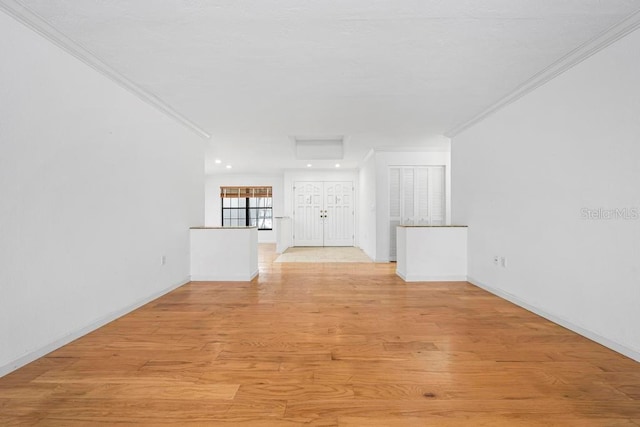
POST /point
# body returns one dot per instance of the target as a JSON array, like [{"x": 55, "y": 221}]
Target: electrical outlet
[
  {"x": 495, "y": 260},
  {"x": 163, "y": 260},
  {"x": 503, "y": 262}
]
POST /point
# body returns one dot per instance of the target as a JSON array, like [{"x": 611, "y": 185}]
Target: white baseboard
[
  {"x": 281, "y": 248},
  {"x": 631, "y": 353},
  {"x": 419, "y": 278},
  {"x": 225, "y": 278},
  {"x": 54, "y": 345}
]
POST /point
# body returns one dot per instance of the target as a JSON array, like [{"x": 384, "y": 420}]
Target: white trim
[
  {"x": 366, "y": 253},
  {"x": 570, "y": 60},
  {"x": 110, "y": 317},
  {"x": 410, "y": 149},
  {"x": 370, "y": 153},
  {"x": 631, "y": 353},
  {"x": 419, "y": 278},
  {"x": 226, "y": 278},
  {"x": 30, "y": 19}
]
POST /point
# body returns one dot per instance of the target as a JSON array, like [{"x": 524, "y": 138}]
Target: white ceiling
[{"x": 379, "y": 72}]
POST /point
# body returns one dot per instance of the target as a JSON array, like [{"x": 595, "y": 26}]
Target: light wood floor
[{"x": 323, "y": 345}]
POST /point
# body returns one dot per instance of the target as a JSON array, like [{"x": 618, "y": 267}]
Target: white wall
[
  {"x": 522, "y": 178},
  {"x": 212, "y": 204},
  {"x": 95, "y": 186},
  {"x": 366, "y": 223},
  {"x": 385, "y": 159},
  {"x": 224, "y": 254}
]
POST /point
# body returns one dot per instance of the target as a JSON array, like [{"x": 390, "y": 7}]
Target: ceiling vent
[{"x": 318, "y": 148}]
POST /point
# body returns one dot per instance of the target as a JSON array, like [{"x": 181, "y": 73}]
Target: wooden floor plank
[{"x": 326, "y": 345}]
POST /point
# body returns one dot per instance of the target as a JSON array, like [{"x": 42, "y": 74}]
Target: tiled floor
[{"x": 326, "y": 254}]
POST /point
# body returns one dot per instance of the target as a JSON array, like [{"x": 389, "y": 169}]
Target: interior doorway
[{"x": 323, "y": 213}]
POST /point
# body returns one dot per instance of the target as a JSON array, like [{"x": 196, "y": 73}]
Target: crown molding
[
  {"x": 570, "y": 60},
  {"x": 402, "y": 149},
  {"x": 369, "y": 154},
  {"x": 27, "y": 17},
  {"x": 410, "y": 149}
]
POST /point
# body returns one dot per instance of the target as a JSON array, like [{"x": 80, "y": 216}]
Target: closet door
[
  {"x": 416, "y": 197},
  {"x": 395, "y": 208},
  {"x": 408, "y": 196},
  {"x": 421, "y": 213},
  {"x": 429, "y": 196},
  {"x": 436, "y": 196}
]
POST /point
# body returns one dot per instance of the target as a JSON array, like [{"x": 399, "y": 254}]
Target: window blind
[{"x": 244, "y": 192}]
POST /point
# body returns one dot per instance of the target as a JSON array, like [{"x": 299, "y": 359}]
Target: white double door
[{"x": 323, "y": 214}]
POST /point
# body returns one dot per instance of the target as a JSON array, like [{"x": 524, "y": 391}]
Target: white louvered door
[
  {"x": 395, "y": 208},
  {"x": 421, "y": 196},
  {"x": 436, "y": 195},
  {"x": 407, "y": 193},
  {"x": 416, "y": 197}
]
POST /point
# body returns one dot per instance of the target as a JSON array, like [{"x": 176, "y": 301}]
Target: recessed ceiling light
[
  {"x": 337, "y": 165},
  {"x": 309, "y": 165},
  {"x": 218, "y": 161},
  {"x": 229, "y": 166}
]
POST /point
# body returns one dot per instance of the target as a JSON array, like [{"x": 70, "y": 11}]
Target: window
[{"x": 247, "y": 207}]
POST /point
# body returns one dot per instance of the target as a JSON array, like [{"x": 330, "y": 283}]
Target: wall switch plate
[
  {"x": 163, "y": 260},
  {"x": 503, "y": 262}
]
